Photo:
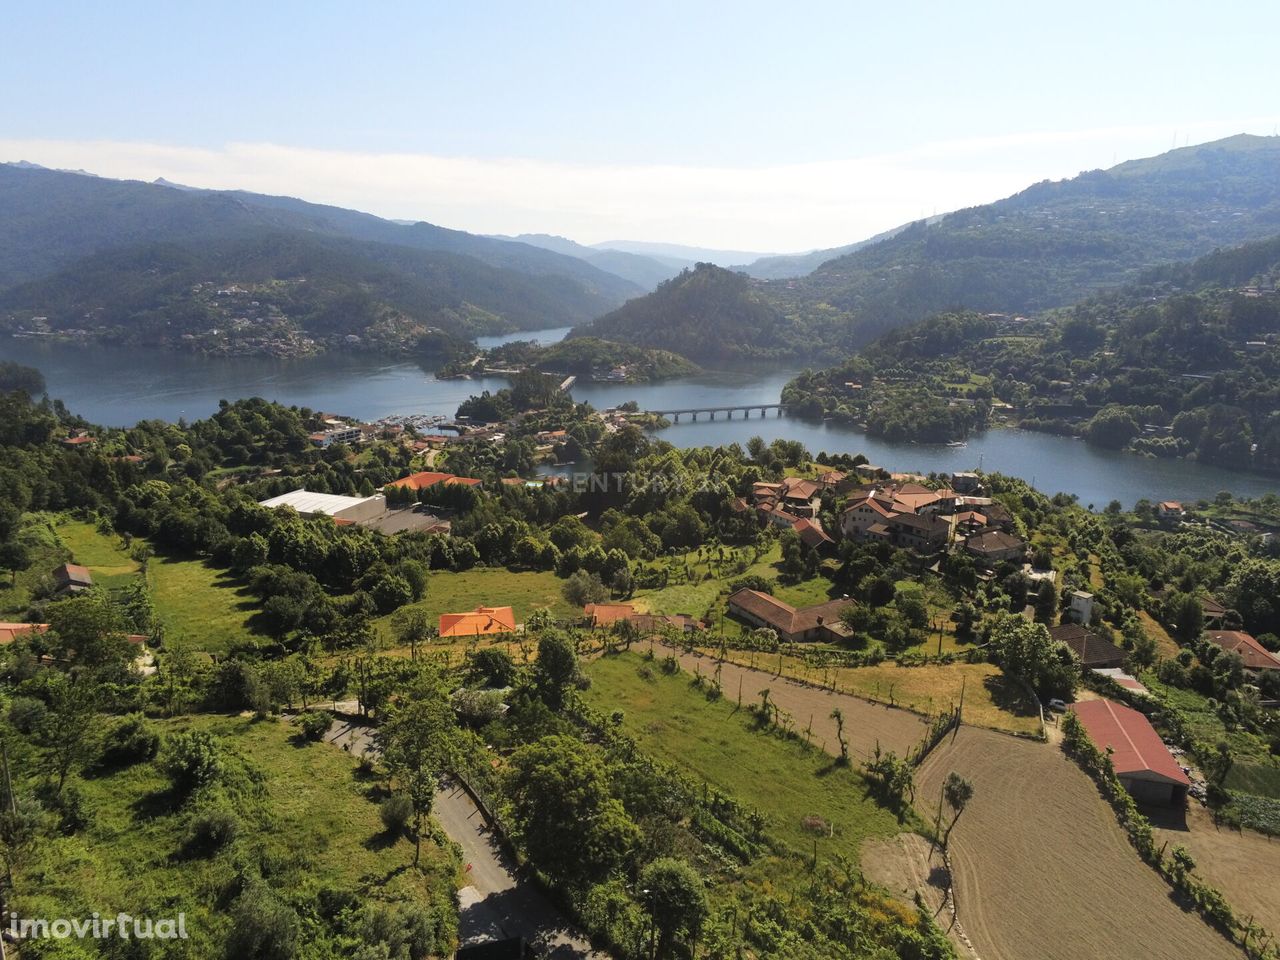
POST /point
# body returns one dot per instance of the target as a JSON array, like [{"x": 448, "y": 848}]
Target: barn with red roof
[{"x": 1141, "y": 760}]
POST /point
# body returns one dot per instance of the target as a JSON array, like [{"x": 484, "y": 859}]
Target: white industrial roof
[{"x": 304, "y": 501}]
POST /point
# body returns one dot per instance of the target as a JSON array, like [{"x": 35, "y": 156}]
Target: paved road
[{"x": 496, "y": 902}]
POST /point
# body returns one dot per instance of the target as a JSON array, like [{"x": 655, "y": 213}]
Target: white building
[
  {"x": 350, "y": 509},
  {"x": 1081, "y": 610}
]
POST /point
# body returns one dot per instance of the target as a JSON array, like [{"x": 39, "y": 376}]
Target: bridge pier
[
  {"x": 762, "y": 411},
  {"x": 695, "y": 417},
  {"x": 675, "y": 418}
]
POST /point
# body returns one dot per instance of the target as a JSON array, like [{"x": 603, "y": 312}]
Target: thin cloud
[{"x": 773, "y": 207}]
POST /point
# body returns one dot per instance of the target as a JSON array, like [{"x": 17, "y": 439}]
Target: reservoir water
[{"x": 118, "y": 387}]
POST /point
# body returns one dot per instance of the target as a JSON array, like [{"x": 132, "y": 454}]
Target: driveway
[{"x": 497, "y": 902}]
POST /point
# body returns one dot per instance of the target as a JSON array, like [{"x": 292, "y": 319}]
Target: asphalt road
[{"x": 496, "y": 902}]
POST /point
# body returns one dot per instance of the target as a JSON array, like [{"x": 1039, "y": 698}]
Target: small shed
[{"x": 72, "y": 578}]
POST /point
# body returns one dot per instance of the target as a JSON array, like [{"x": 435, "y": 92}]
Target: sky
[{"x": 751, "y": 126}]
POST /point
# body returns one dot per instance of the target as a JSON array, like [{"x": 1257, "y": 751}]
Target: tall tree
[{"x": 417, "y": 742}]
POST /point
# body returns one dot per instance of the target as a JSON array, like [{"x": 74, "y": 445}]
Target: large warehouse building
[{"x": 347, "y": 509}]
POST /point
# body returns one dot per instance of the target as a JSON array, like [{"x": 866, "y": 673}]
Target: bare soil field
[
  {"x": 905, "y": 865},
  {"x": 865, "y": 724},
  {"x": 1042, "y": 869},
  {"x": 1244, "y": 865}
]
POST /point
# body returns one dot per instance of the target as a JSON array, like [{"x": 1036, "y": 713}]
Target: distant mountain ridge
[
  {"x": 679, "y": 255},
  {"x": 54, "y": 225},
  {"x": 793, "y": 265},
  {"x": 645, "y": 272},
  {"x": 1056, "y": 242},
  {"x": 1050, "y": 245}
]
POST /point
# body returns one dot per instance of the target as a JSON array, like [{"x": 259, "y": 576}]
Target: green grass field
[
  {"x": 308, "y": 816},
  {"x": 104, "y": 554},
  {"x": 524, "y": 592},
  {"x": 201, "y": 607},
  {"x": 716, "y": 742},
  {"x": 696, "y": 596}
]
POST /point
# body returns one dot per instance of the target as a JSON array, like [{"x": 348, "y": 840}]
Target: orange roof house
[
  {"x": 607, "y": 614},
  {"x": 420, "y": 481},
  {"x": 480, "y": 622}
]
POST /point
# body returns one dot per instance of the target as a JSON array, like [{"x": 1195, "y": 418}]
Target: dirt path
[
  {"x": 496, "y": 902},
  {"x": 1042, "y": 871},
  {"x": 865, "y": 724},
  {"x": 1244, "y": 865}
]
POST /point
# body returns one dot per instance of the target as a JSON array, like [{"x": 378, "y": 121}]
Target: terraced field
[{"x": 1043, "y": 871}]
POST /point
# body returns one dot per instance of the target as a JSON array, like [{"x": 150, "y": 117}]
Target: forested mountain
[
  {"x": 56, "y": 228},
  {"x": 275, "y": 287},
  {"x": 1048, "y": 246},
  {"x": 1184, "y": 362},
  {"x": 1056, "y": 242},
  {"x": 788, "y": 265},
  {"x": 645, "y": 272},
  {"x": 708, "y": 314}
]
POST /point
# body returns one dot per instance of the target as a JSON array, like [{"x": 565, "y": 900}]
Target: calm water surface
[{"x": 118, "y": 387}]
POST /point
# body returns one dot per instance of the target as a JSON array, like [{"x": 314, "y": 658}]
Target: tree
[
  {"x": 492, "y": 667},
  {"x": 563, "y": 812},
  {"x": 675, "y": 898},
  {"x": 838, "y": 716},
  {"x": 1026, "y": 651},
  {"x": 957, "y": 791},
  {"x": 417, "y": 743},
  {"x": 14, "y": 557},
  {"x": 70, "y": 729},
  {"x": 1186, "y": 616},
  {"x": 556, "y": 669},
  {"x": 412, "y": 626},
  {"x": 87, "y": 630},
  {"x": 192, "y": 759},
  {"x": 390, "y": 593},
  {"x": 583, "y": 588}
]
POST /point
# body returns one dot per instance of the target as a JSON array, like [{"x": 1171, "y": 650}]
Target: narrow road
[{"x": 497, "y": 902}]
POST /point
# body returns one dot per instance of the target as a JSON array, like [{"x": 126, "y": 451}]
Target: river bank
[{"x": 119, "y": 387}]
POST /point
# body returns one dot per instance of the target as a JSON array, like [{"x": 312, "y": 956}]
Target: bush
[
  {"x": 262, "y": 927},
  {"x": 752, "y": 582},
  {"x": 130, "y": 741},
  {"x": 493, "y": 667},
  {"x": 212, "y": 829},
  {"x": 396, "y": 811},
  {"x": 314, "y": 724},
  {"x": 27, "y": 714},
  {"x": 192, "y": 760}
]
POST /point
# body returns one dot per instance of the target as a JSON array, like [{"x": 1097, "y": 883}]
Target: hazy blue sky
[{"x": 751, "y": 125}]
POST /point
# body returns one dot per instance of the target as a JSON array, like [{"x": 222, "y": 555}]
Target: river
[{"x": 118, "y": 387}]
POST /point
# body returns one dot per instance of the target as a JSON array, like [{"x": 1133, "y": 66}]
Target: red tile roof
[
  {"x": 482, "y": 621},
  {"x": 10, "y": 632},
  {"x": 811, "y": 535},
  {"x": 420, "y": 481},
  {"x": 1137, "y": 748},
  {"x": 605, "y": 614},
  {"x": 73, "y": 573},
  {"x": 1254, "y": 654}
]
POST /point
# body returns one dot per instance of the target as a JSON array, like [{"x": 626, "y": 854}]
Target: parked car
[{"x": 1058, "y": 705}]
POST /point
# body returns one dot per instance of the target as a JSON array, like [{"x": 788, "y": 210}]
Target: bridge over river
[{"x": 728, "y": 411}]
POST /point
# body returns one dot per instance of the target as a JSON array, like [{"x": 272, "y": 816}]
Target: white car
[{"x": 1059, "y": 705}]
